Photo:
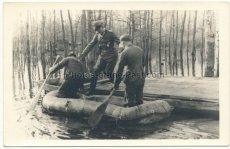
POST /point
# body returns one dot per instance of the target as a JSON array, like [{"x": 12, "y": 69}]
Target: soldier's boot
[
  {"x": 131, "y": 103},
  {"x": 92, "y": 87},
  {"x": 139, "y": 102}
]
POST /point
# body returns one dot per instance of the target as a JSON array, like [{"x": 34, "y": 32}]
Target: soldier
[
  {"x": 108, "y": 54},
  {"x": 73, "y": 76},
  {"x": 134, "y": 78}
]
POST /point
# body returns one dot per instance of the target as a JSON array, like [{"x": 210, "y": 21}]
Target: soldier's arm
[
  {"x": 60, "y": 65},
  {"x": 89, "y": 47},
  {"x": 120, "y": 67},
  {"x": 115, "y": 38}
]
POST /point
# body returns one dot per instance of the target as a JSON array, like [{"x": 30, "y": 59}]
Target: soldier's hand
[
  {"x": 51, "y": 69},
  {"x": 120, "y": 49}
]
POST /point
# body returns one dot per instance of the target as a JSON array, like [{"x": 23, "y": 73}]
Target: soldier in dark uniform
[
  {"x": 108, "y": 54},
  {"x": 73, "y": 76},
  {"x": 134, "y": 79}
]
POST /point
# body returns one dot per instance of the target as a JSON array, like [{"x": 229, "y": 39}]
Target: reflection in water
[{"x": 53, "y": 126}]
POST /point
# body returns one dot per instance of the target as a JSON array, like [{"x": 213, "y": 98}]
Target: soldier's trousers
[
  {"x": 70, "y": 87},
  {"x": 134, "y": 90},
  {"x": 103, "y": 64}
]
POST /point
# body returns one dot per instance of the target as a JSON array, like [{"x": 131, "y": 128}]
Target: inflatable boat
[
  {"x": 54, "y": 83},
  {"x": 148, "y": 112}
]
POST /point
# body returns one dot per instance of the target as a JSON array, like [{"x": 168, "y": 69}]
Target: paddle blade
[
  {"x": 35, "y": 100},
  {"x": 98, "y": 113}
]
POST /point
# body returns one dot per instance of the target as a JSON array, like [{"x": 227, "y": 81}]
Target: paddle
[
  {"x": 35, "y": 99},
  {"x": 97, "y": 114}
]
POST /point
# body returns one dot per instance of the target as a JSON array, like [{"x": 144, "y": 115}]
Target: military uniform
[
  {"x": 108, "y": 54},
  {"x": 134, "y": 78},
  {"x": 73, "y": 77}
]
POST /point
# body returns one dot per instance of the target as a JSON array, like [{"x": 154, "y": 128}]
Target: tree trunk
[
  {"x": 160, "y": 42},
  {"x": 209, "y": 45},
  {"x": 202, "y": 46},
  {"x": 147, "y": 43},
  {"x": 140, "y": 30},
  {"x": 170, "y": 61},
  {"x": 105, "y": 19},
  {"x": 63, "y": 35},
  {"x": 99, "y": 15},
  {"x": 43, "y": 46},
  {"x": 151, "y": 43},
  {"x": 110, "y": 20},
  {"x": 194, "y": 46},
  {"x": 188, "y": 42},
  {"x": 165, "y": 43},
  {"x": 55, "y": 44},
  {"x": 89, "y": 38},
  {"x": 181, "y": 46},
  {"x": 143, "y": 39},
  {"x": 71, "y": 31},
  {"x": 216, "y": 60},
  {"x": 28, "y": 55},
  {"x": 174, "y": 47},
  {"x": 50, "y": 43},
  {"x": 83, "y": 37},
  {"x": 175, "y": 54},
  {"x": 133, "y": 26}
]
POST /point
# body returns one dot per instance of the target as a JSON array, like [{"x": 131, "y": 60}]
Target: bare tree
[
  {"x": 43, "y": 46},
  {"x": 165, "y": 42},
  {"x": 173, "y": 43},
  {"x": 28, "y": 53},
  {"x": 216, "y": 65},
  {"x": 143, "y": 39},
  {"x": 63, "y": 34},
  {"x": 175, "y": 50},
  {"x": 170, "y": 32},
  {"x": 151, "y": 42},
  {"x": 110, "y": 19},
  {"x": 140, "y": 29},
  {"x": 89, "y": 36},
  {"x": 209, "y": 44},
  {"x": 55, "y": 44},
  {"x": 83, "y": 36},
  {"x": 202, "y": 46},
  {"x": 147, "y": 44},
  {"x": 194, "y": 45},
  {"x": 105, "y": 18},
  {"x": 161, "y": 18},
  {"x": 71, "y": 31},
  {"x": 188, "y": 42},
  {"x": 181, "y": 46}
]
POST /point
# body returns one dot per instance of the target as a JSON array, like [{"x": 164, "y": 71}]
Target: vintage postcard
[{"x": 116, "y": 74}]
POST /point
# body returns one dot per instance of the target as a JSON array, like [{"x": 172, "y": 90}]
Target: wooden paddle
[
  {"x": 35, "y": 99},
  {"x": 98, "y": 113}
]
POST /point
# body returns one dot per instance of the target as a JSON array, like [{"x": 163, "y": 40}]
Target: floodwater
[{"x": 39, "y": 125}]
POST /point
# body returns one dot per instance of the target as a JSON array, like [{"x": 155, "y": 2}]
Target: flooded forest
[{"x": 175, "y": 43}]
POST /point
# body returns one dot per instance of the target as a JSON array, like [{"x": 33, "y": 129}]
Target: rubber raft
[{"x": 148, "y": 112}]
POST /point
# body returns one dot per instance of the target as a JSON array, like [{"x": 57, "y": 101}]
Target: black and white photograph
[{"x": 152, "y": 72}]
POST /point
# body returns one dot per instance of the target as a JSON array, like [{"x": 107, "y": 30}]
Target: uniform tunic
[
  {"x": 73, "y": 77},
  {"x": 134, "y": 78},
  {"x": 107, "y": 58}
]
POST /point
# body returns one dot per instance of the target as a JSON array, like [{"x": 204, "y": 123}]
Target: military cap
[
  {"x": 98, "y": 23},
  {"x": 71, "y": 54},
  {"x": 125, "y": 37}
]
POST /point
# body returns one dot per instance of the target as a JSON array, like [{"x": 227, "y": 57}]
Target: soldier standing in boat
[
  {"x": 108, "y": 54},
  {"x": 73, "y": 76},
  {"x": 134, "y": 78}
]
